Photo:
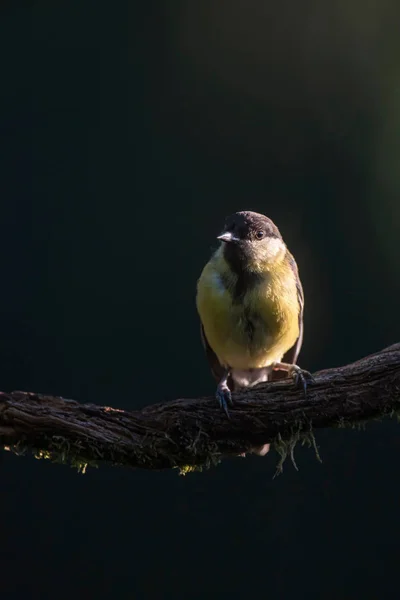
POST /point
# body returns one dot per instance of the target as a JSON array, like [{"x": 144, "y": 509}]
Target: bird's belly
[
  {"x": 246, "y": 337},
  {"x": 250, "y": 377}
]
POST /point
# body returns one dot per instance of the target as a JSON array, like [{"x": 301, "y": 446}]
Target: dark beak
[{"x": 227, "y": 236}]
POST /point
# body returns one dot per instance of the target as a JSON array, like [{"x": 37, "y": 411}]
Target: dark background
[{"x": 128, "y": 132}]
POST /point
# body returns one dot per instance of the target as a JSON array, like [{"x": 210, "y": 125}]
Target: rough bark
[{"x": 196, "y": 432}]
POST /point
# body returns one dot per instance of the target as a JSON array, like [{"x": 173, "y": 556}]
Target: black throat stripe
[{"x": 246, "y": 280}]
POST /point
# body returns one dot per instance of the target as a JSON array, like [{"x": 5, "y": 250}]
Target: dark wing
[
  {"x": 292, "y": 354},
  {"x": 216, "y": 369}
]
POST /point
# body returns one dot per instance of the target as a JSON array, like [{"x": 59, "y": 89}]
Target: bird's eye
[{"x": 260, "y": 234}]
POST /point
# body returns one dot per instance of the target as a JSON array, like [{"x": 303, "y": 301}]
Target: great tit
[{"x": 250, "y": 302}]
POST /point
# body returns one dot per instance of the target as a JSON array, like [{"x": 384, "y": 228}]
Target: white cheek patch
[
  {"x": 274, "y": 246},
  {"x": 267, "y": 249}
]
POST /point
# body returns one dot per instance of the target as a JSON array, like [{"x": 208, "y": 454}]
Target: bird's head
[{"x": 251, "y": 241}]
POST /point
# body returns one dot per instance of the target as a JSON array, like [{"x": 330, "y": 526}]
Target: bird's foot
[
  {"x": 224, "y": 397},
  {"x": 301, "y": 377}
]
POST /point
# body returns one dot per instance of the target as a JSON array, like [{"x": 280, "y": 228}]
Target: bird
[{"x": 250, "y": 302}]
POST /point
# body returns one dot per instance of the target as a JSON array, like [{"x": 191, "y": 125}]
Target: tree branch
[{"x": 196, "y": 432}]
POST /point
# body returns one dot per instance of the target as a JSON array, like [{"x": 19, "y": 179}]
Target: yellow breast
[{"x": 259, "y": 328}]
